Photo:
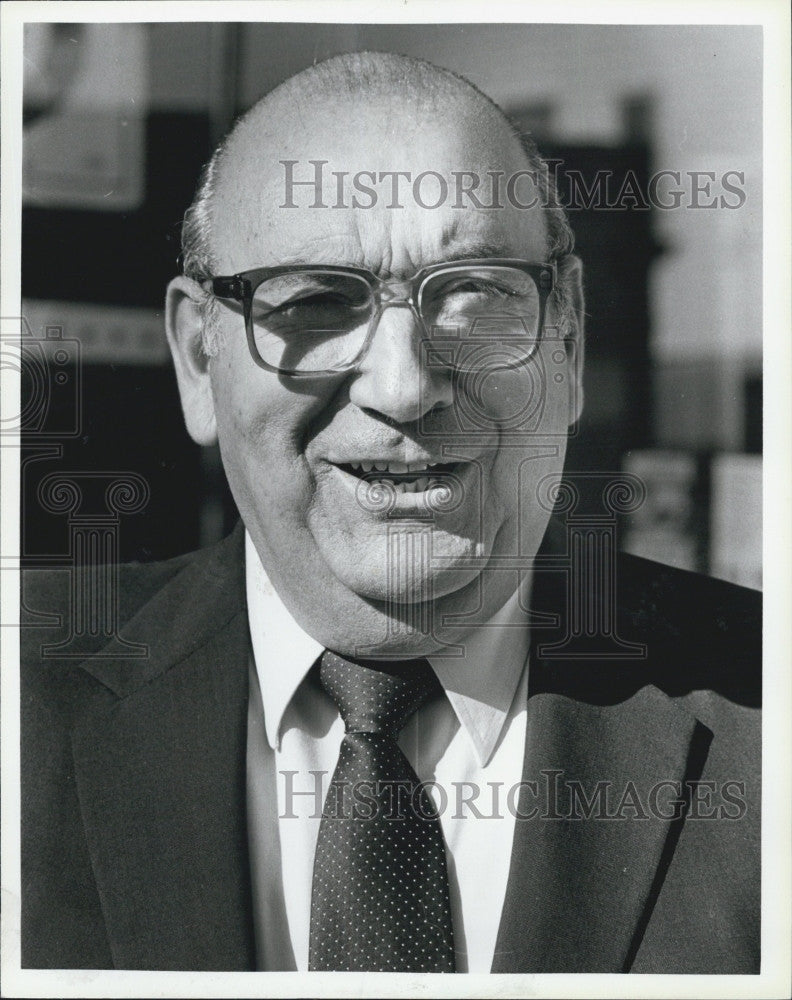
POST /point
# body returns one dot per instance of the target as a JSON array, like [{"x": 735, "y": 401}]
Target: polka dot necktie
[{"x": 380, "y": 885}]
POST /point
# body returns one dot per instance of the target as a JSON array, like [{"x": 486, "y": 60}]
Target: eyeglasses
[{"x": 319, "y": 320}]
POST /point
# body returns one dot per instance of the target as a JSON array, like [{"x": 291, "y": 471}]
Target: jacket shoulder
[
  {"x": 700, "y": 633},
  {"x": 680, "y": 601},
  {"x": 47, "y": 592},
  {"x": 50, "y": 598},
  {"x": 682, "y": 632}
]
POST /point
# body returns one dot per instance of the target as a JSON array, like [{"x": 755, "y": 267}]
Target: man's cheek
[
  {"x": 518, "y": 394},
  {"x": 260, "y": 460},
  {"x": 502, "y": 399},
  {"x": 279, "y": 474}
]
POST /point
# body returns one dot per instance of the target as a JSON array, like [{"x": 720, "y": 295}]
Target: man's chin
[{"x": 408, "y": 568}]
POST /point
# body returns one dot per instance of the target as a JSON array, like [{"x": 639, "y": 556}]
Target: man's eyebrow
[
  {"x": 462, "y": 250},
  {"x": 298, "y": 260},
  {"x": 473, "y": 250}
]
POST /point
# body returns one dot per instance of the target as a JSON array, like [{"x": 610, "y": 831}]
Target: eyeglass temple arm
[{"x": 227, "y": 287}]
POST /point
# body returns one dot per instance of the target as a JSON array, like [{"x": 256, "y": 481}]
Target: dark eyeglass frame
[{"x": 241, "y": 287}]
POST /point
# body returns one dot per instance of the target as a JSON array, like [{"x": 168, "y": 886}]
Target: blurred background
[{"x": 119, "y": 119}]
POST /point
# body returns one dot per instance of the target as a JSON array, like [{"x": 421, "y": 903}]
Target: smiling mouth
[{"x": 403, "y": 477}]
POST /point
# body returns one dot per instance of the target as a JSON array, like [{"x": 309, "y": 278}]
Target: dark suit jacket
[{"x": 134, "y": 830}]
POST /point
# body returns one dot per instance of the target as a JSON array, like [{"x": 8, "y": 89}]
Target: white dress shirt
[{"x": 472, "y": 739}]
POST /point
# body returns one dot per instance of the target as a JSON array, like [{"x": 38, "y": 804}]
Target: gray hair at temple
[{"x": 381, "y": 72}]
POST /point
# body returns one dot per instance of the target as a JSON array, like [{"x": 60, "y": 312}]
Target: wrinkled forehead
[{"x": 380, "y": 182}]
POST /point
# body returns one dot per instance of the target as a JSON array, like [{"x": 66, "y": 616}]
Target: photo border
[{"x": 777, "y": 748}]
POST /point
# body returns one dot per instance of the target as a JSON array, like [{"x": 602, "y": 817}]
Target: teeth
[
  {"x": 417, "y": 486},
  {"x": 394, "y": 468}
]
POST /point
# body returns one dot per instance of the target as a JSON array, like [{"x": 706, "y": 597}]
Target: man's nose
[{"x": 393, "y": 378}]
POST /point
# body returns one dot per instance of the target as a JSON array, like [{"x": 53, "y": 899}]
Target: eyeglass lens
[{"x": 319, "y": 320}]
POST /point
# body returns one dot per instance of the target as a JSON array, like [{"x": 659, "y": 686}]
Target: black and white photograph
[{"x": 395, "y": 470}]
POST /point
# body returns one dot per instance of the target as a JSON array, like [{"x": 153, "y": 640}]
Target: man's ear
[
  {"x": 184, "y": 327},
  {"x": 570, "y": 277}
]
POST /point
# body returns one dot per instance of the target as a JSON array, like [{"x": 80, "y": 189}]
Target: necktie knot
[{"x": 377, "y": 699}]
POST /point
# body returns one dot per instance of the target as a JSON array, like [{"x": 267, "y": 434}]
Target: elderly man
[{"x": 357, "y": 742}]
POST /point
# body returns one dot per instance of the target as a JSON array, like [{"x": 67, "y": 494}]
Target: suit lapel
[
  {"x": 160, "y": 765},
  {"x": 581, "y": 890}
]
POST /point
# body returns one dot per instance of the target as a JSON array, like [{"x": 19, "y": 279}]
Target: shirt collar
[
  {"x": 282, "y": 650},
  {"x": 480, "y": 683}
]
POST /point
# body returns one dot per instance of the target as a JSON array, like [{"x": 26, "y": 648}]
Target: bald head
[{"x": 376, "y": 74}]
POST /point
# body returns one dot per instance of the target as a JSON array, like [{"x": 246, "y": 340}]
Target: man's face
[{"x": 296, "y": 451}]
